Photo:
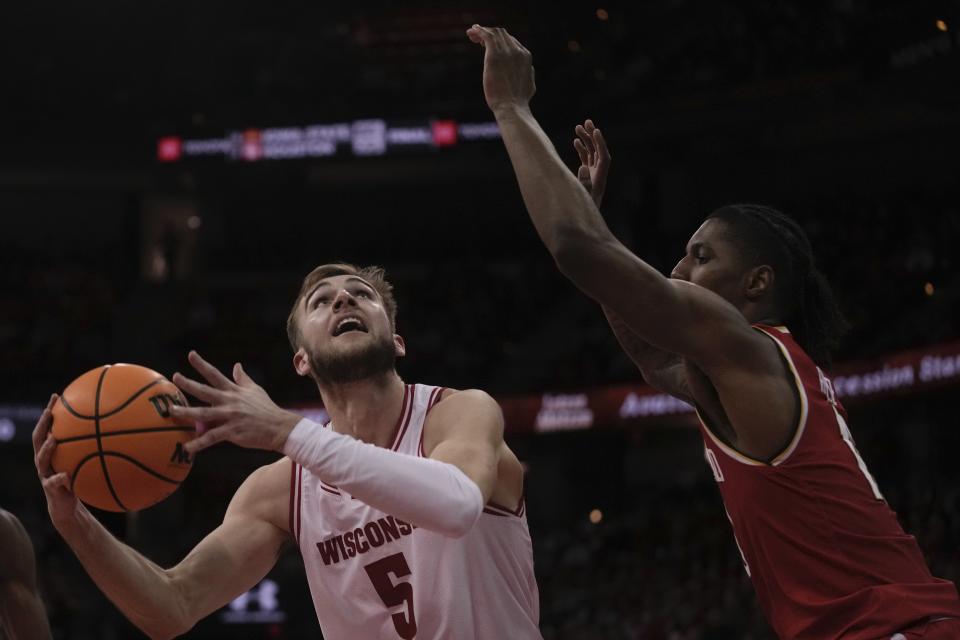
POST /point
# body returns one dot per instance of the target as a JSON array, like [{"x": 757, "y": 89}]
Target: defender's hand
[
  {"x": 240, "y": 410},
  {"x": 62, "y": 504},
  {"x": 508, "y": 77},
  {"x": 594, "y": 159}
]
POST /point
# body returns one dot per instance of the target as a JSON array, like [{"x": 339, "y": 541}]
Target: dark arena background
[{"x": 169, "y": 172}]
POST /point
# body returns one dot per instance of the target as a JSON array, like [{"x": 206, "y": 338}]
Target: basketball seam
[
  {"x": 96, "y": 424},
  {"x": 124, "y": 456},
  {"x": 142, "y": 466},
  {"x": 123, "y": 406},
  {"x": 125, "y": 432}
]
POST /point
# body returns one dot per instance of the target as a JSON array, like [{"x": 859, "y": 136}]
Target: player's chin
[
  {"x": 347, "y": 345},
  {"x": 352, "y": 341}
]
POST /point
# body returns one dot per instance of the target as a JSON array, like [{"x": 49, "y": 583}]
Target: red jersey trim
[
  {"x": 435, "y": 397},
  {"x": 403, "y": 421},
  {"x": 296, "y": 499},
  {"x": 293, "y": 495},
  {"x": 499, "y": 510},
  {"x": 329, "y": 489},
  {"x": 801, "y": 422}
]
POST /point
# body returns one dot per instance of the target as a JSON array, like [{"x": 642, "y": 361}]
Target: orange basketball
[{"x": 116, "y": 439}]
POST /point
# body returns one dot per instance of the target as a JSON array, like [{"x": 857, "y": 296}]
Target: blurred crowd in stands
[{"x": 507, "y": 325}]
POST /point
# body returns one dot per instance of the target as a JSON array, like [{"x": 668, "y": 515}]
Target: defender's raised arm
[{"x": 670, "y": 314}]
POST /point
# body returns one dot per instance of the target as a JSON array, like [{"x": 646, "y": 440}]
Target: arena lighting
[
  {"x": 941, "y": 25},
  {"x": 368, "y": 137},
  {"x": 7, "y": 429},
  {"x": 602, "y": 14},
  {"x": 596, "y": 516}
]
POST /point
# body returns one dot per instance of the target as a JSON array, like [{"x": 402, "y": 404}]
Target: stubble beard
[{"x": 372, "y": 360}]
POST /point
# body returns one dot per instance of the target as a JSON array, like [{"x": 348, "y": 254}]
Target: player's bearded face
[
  {"x": 347, "y": 334},
  {"x": 365, "y": 357}
]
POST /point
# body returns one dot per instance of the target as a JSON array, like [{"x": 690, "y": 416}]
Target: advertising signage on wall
[
  {"x": 898, "y": 374},
  {"x": 371, "y": 137}
]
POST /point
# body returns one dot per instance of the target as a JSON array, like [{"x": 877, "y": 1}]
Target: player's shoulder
[
  {"x": 465, "y": 399},
  {"x": 265, "y": 493},
  {"x": 462, "y": 411},
  {"x": 269, "y": 478}
]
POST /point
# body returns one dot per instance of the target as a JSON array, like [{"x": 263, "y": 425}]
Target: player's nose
[
  {"x": 343, "y": 298},
  {"x": 680, "y": 271}
]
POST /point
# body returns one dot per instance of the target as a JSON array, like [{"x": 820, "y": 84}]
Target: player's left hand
[
  {"x": 508, "y": 78},
  {"x": 240, "y": 410},
  {"x": 594, "y": 159}
]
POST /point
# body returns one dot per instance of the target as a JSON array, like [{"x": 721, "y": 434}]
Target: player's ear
[
  {"x": 399, "y": 346},
  {"x": 301, "y": 362},
  {"x": 759, "y": 282}
]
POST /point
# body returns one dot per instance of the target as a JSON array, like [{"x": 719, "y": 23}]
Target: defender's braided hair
[{"x": 804, "y": 298}]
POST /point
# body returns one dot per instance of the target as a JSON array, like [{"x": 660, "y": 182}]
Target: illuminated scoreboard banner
[{"x": 357, "y": 138}]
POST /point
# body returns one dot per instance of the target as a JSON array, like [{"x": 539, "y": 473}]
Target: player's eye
[
  {"x": 701, "y": 259},
  {"x": 319, "y": 300},
  {"x": 362, "y": 293}
]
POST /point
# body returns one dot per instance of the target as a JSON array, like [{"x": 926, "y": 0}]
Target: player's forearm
[
  {"x": 137, "y": 586},
  {"x": 643, "y": 354},
  {"x": 661, "y": 369},
  {"x": 428, "y": 493},
  {"x": 559, "y": 206},
  {"x": 567, "y": 219}
]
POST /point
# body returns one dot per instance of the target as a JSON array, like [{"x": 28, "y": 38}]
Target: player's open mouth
[{"x": 349, "y": 324}]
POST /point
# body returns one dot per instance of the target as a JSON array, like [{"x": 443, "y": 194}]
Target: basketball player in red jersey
[
  {"x": 738, "y": 330},
  {"x": 407, "y": 507},
  {"x": 21, "y": 610}
]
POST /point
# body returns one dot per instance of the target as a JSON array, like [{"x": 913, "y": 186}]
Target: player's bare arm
[
  {"x": 22, "y": 615},
  {"x": 243, "y": 413},
  {"x": 662, "y": 370},
  {"x": 164, "y": 603},
  {"x": 238, "y": 554},
  {"x": 675, "y": 316},
  {"x": 465, "y": 429}
]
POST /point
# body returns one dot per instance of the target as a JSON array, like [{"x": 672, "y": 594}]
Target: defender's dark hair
[{"x": 804, "y": 298}]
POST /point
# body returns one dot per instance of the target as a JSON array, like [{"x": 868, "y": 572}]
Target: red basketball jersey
[{"x": 826, "y": 555}]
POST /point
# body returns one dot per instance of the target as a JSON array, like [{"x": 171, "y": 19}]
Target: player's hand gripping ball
[{"x": 117, "y": 440}]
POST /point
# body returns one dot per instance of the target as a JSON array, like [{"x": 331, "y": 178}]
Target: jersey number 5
[{"x": 394, "y": 594}]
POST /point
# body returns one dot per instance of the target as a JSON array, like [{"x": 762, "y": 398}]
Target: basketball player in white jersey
[{"x": 407, "y": 507}]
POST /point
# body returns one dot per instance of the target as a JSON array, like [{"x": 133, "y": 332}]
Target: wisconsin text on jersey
[{"x": 372, "y": 535}]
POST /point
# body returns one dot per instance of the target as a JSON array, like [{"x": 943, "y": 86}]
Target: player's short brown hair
[{"x": 372, "y": 275}]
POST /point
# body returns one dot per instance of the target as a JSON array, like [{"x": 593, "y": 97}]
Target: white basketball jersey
[{"x": 373, "y": 576}]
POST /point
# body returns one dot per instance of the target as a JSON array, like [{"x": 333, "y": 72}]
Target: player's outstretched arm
[
  {"x": 165, "y": 603},
  {"x": 671, "y": 315},
  {"x": 429, "y": 493},
  {"x": 662, "y": 370},
  {"x": 238, "y": 554},
  {"x": 444, "y": 492},
  {"x": 21, "y": 610}
]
